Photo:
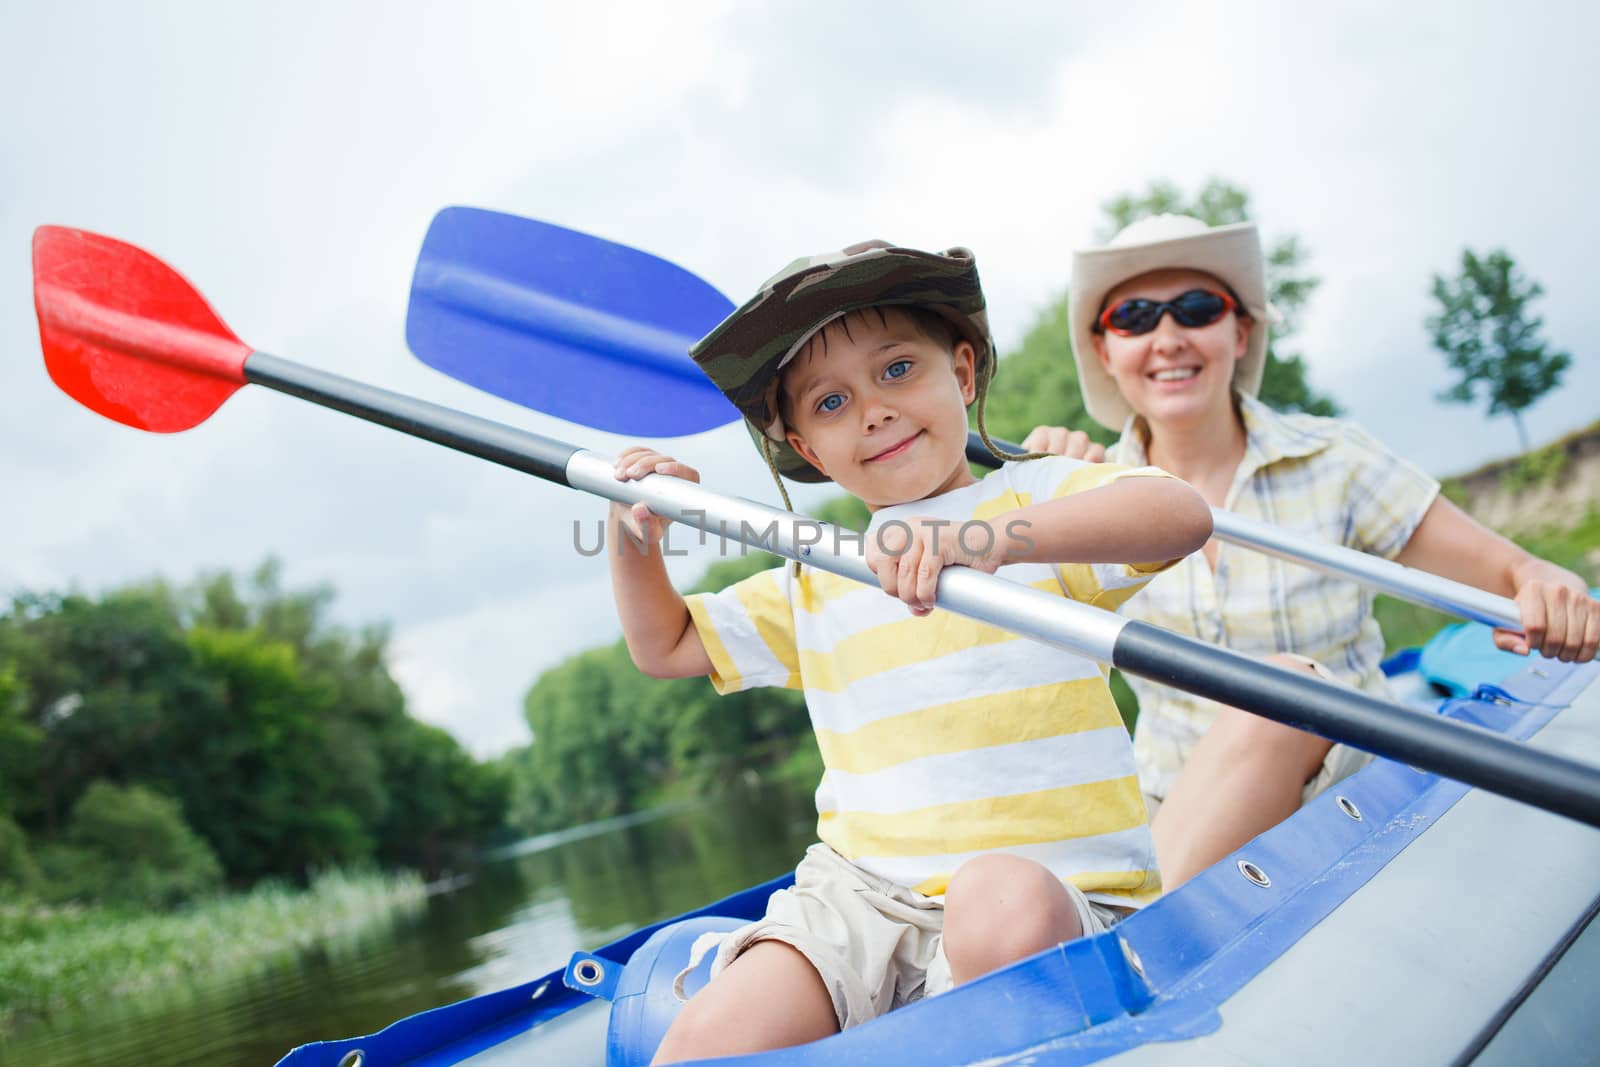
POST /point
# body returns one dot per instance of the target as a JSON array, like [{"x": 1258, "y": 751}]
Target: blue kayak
[{"x": 1398, "y": 918}]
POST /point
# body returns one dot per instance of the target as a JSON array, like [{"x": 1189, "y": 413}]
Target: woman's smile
[{"x": 1175, "y": 375}]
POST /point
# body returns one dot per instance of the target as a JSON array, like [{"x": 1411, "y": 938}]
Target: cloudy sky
[{"x": 287, "y": 158}]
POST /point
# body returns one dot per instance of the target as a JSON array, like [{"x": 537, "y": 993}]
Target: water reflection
[{"x": 524, "y": 915}]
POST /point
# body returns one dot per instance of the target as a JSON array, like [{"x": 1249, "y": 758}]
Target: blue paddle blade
[{"x": 565, "y": 323}]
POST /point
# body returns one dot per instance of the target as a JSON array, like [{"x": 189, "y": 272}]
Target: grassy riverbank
[{"x": 55, "y": 957}]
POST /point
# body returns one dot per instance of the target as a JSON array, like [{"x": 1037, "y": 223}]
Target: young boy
[{"x": 979, "y": 802}]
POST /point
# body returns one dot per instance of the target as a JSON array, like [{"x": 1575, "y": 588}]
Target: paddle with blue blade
[
  {"x": 498, "y": 302},
  {"x": 126, "y": 336},
  {"x": 586, "y": 330}
]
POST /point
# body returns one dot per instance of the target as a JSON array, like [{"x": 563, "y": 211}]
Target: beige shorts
[
  {"x": 876, "y": 945},
  {"x": 1341, "y": 761}
]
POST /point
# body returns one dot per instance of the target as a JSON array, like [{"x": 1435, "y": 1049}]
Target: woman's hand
[
  {"x": 639, "y": 520},
  {"x": 1559, "y": 617},
  {"x": 908, "y": 555},
  {"x": 1060, "y": 441}
]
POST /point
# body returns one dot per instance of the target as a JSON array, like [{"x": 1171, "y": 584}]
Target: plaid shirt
[{"x": 1317, "y": 478}]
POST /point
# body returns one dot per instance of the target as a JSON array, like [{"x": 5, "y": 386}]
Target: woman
[{"x": 1169, "y": 329}]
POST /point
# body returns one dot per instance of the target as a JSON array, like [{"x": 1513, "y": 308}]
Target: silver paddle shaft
[{"x": 1386, "y": 576}]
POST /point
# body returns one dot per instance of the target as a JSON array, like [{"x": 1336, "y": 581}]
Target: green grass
[
  {"x": 55, "y": 957},
  {"x": 1542, "y": 467},
  {"x": 1577, "y": 548},
  {"x": 1406, "y": 625}
]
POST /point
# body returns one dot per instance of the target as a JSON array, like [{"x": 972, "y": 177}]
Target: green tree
[
  {"x": 131, "y": 845},
  {"x": 19, "y": 738},
  {"x": 17, "y": 867},
  {"x": 93, "y": 685},
  {"x": 1284, "y": 384},
  {"x": 409, "y": 788},
  {"x": 284, "y": 740},
  {"x": 251, "y": 760},
  {"x": 1037, "y": 385},
  {"x": 1488, "y": 335},
  {"x": 441, "y": 802}
]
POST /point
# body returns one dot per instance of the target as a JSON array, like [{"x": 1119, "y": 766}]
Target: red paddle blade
[{"x": 125, "y": 335}]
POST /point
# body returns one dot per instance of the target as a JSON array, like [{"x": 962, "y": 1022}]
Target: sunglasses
[{"x": 1195, "y": 308}]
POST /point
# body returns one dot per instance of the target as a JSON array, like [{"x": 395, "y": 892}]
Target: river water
[{"x": 522, "y": 915}]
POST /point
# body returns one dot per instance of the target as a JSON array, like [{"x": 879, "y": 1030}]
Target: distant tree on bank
[{"x": 1489, "y": 336}]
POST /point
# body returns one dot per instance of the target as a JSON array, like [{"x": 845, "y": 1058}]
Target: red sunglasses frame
[{"x": 1163, "y": 307}]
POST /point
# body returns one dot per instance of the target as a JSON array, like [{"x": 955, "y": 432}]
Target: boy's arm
[
  {"x": 1147, "y": 519},
  {"x": 661, "y": 637},
  {"x": 1559, "y": 617},
  {"x": 1139, "y": 519}
]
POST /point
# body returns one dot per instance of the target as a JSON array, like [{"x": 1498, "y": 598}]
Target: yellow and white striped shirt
[
  {"x": 943, "y": 737},
  {"x": 1321, "y": 479}
]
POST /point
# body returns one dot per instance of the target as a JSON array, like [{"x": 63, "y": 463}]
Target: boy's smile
[
  {"x": 894, "y": 450},
  {"x": 880, "y": 407}
]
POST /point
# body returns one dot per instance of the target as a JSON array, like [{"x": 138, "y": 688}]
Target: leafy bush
[
  {"x": 283, "y": 740},
  {"x": 130, "y": 846},
  {"x": 17, "y": 867}
]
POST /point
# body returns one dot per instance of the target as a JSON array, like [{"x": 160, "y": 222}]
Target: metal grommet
[
  {"x": 588, "y": 972},
  {"x": 1254, "y": 873},
  {"x": 354, "y": 1058},
  {"x": 1132, "y": 957},
  {"x": 1348, "y": 806}
]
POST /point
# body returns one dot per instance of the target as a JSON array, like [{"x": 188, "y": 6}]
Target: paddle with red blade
[
  {"x": 583, "y": 328},
  {"x": 126, "y": 336}
]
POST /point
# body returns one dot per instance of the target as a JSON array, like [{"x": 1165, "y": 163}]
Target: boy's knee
[
  {"x": 770, "y": 997},
  {"x": 1000, "y": 908},
  {"x": 701, "y": 1028}
]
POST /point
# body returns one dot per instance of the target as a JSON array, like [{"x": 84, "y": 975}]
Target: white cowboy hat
[{"x": 1232, "y": 254}]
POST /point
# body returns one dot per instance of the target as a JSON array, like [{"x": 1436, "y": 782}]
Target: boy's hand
[
  {"x": 908, "y": 556},
  {"x": 635, "y": 463},
  {"x": 1559, "y": 617},
  {"x": 1060, "y": 441}
]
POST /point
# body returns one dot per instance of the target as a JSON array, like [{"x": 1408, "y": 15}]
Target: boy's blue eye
[
  {"x": 830, "y": 402},
  {"x": 898, "y": 369}
]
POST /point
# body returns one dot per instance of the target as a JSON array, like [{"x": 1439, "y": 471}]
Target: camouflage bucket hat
[{"x": 745, "y": 354}]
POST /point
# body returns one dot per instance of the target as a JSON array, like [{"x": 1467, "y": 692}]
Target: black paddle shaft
[
  {"x": 542, "y": 457},
  {"x": 1465, "y": 752}
]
